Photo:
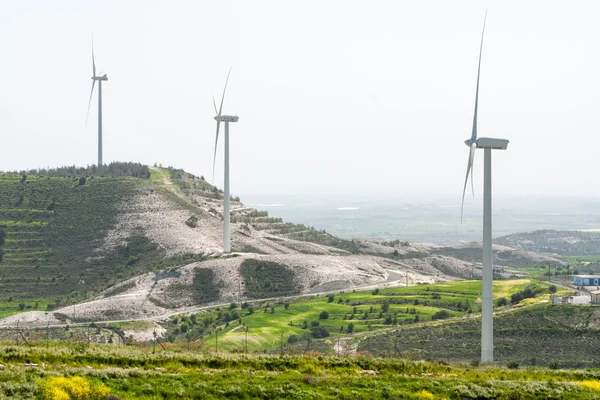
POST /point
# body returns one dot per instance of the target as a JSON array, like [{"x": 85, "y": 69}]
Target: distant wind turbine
[
  {"x": 487, "y": 144},
  {"x": 226, "y": 207},
  {"x": 98, "y": 78}
]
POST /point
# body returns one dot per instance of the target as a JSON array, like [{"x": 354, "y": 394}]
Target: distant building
[
  {"x": 595, "y": 296},
  {"x": 586, "y": 280},
  {"x": 572, "y": 299}
]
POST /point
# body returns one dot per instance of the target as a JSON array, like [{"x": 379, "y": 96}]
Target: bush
[
  {"x": 350, "y": 327},
  {"x": 323, "y": 315},
  {"x": 292, "y": 339},
  {"x": 330, "y": 298},
  {"x": 75, "y": 387},
  {"x": 501, "y": 302},
  {"x": 442, "y": 314},
  {"x": 319, "y": 332},
  {"x": 552, "y": 289},
  {"x": 516, "y": 297},
  {"x": 512, "y": 364}
]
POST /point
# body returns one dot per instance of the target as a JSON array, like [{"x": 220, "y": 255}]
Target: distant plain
[{"x": 430, "y": 218}]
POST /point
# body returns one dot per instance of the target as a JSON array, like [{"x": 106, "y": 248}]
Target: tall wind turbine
[
  {"x": 98, "y": 78},
  {"x": 226, "y": 207},
  {"x": 487, "y": 144}
]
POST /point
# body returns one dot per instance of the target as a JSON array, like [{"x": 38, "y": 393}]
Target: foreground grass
[{"x": 138, "y": 373}]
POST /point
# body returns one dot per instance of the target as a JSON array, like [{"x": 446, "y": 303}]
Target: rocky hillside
[
  {"x": 137, "y": 242},
  {"x": 565, "y": 243},
  {"x": 503, "y": 256}
]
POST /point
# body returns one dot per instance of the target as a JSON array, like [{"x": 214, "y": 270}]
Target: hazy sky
[{"x": 344, "y": 96}]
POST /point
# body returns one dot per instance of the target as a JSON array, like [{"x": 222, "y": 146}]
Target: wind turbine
[
  {"x": 98, "y": 78},
  {"x": 226, "y": 119},
  {"x": 487, "y": 144}
]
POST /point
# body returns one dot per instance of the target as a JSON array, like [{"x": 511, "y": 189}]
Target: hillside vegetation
[
  {"x": 317, "y": 323},
  {"x": 110, "y": 372},
  {"x": 54, "y": 221}
]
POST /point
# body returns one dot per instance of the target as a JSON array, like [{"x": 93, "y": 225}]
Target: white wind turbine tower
[
  {"x": 98, "y": 78},
  {"x": 487, "y": 144},
  {"x": 226, "y": 207}
]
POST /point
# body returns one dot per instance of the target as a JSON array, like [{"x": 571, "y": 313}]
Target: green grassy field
[
  {"x": 583, "y": 259},
  {"x": 264, "y": 325},
  {"x": 9, "y": 308},
  {"x": 97, "y": 372}
]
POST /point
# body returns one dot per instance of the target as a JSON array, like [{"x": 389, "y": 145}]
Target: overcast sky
[{"x": 340, "y": 97}]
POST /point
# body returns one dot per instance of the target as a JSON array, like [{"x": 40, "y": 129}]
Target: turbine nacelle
[
  {"x": 488, "y": 143},
  {"x": 492, "y": 143},
  {"x": 100, "y": 78},
  {"x": 226, "y": 118}
]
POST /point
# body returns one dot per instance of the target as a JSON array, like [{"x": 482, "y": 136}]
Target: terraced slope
[{"x": 53, "y": 225}]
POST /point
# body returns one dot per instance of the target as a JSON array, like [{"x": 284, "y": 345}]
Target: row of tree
[{"x": 116, "y": 169}]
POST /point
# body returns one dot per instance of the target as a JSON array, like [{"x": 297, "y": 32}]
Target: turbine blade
[
  {"x": 223, "y": 98},
  {"x": 215, "y": 155},
  {"x": 215, "y": 104},
  {"x": 474, "y": 132},
  {"x": 93, "y": 61},
  {"x": 469, "y": 168},
  {"x": 89, "y": 104}
]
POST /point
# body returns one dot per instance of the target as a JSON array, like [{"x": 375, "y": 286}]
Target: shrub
[
  {"x": 442, "y": 314},
  {"x": 75, "y": 387},
  {"x": 552, "y": 289},
  {"x": 512, "y": 364},
  {"x": 330, "y": 298},
  {"x": 292, "y": 339},
  {"x": 323, "y": 315},
  {"x": 516, "y": 297},
  {"x": 501, "y": 302},
  {"x": 350, "y": 327},
  {"x": 192, "y": 221},
  {"x": 319, "y": 332},
  {"x": 425, "y": 395}
]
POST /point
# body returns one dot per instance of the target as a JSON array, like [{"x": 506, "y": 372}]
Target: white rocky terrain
[{"x": 183, "y": 218}]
